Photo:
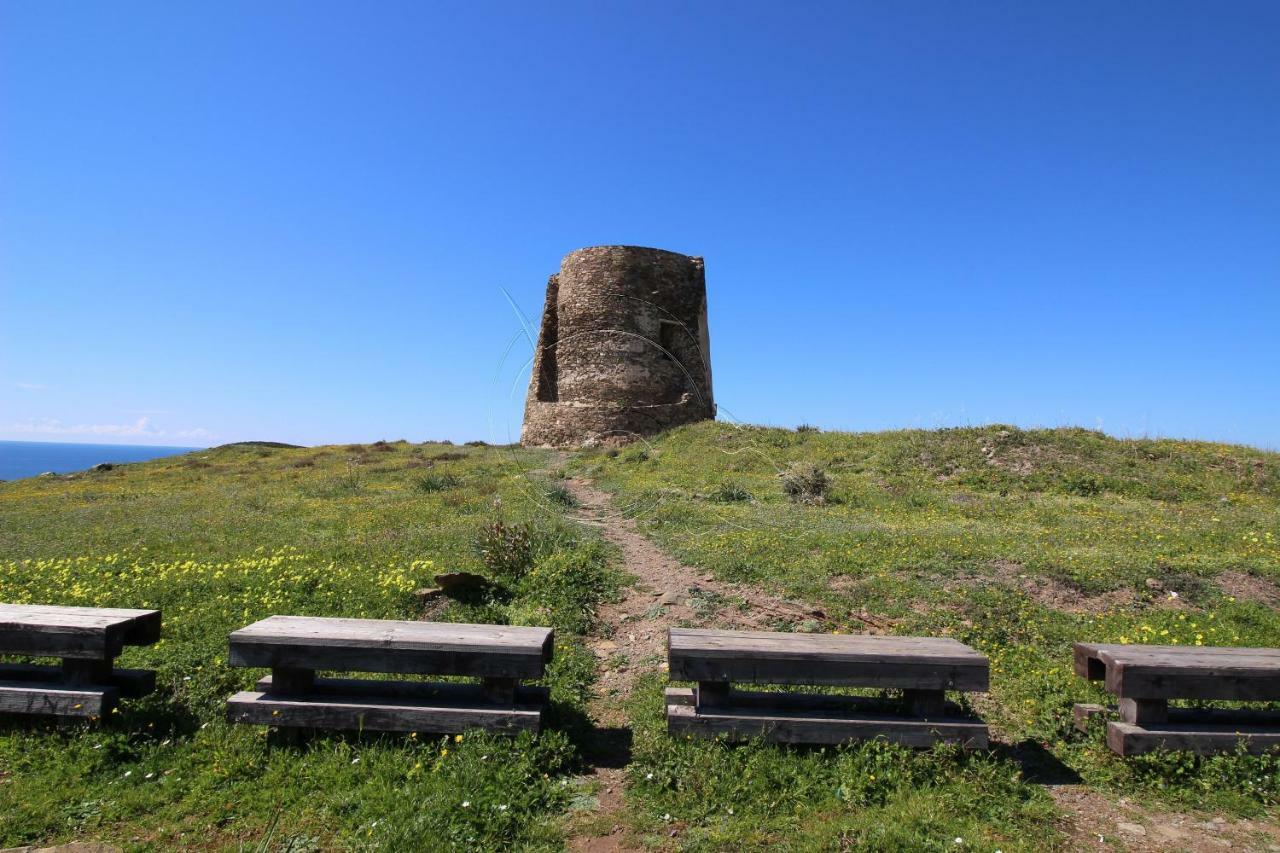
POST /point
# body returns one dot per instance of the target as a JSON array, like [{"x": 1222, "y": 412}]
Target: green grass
[
  {"x": 222, "y": 538},
  {"x": 1017, "y": 542}
]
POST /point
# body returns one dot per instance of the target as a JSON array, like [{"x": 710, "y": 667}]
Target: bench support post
[
  {"x": 924, "y": 703},
  {"x": 713, "y": 694},
  {"x": 79, "y": 671},
  {"x": 499, "y": 691},
  {"x": 1141, "y": 712},
  {"x": 287, "y": 679}
]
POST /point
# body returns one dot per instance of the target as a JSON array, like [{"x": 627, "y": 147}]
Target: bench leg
[
  {"x": 287, "y": 679},
  {"x": 1140, "y": 712},
  {"x": 924, "y": 703},
  {"x": 499, "y": 691},
  {"x": 78, "y": 671},
  {"x": 712, "y": 694}
]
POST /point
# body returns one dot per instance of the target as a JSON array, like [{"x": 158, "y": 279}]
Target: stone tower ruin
[{"x": 623, "y": 350}]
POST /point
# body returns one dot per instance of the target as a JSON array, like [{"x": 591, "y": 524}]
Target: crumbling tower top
[{"x": 623, "y": 349}]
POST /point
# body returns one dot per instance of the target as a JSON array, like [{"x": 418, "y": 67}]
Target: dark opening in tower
[{"x": 547, "y": 369}]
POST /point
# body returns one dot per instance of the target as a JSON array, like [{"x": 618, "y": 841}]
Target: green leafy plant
[
  {"x": 436, "y": 482},
  {"x": 506, "y": 549}
]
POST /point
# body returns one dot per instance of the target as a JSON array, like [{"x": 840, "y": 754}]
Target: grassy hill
[
  {"x": 1018, "y": 542},
  {"x": 222, "y": 538}
]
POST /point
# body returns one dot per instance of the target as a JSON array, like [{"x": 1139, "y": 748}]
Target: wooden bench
[
  {"x": 295, "y": 647},
  {"x": 88, "y": 640},
  {"x": 922, "y": 667},
  {"x": 1145, "y": 678}
]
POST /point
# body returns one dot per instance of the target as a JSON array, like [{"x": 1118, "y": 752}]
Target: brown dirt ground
[
  {"x": 1093, "y": 821},
  {"x": 1247, "y": 587}
]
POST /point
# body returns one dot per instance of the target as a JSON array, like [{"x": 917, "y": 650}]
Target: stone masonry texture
[{"x": 623, "y": 350}]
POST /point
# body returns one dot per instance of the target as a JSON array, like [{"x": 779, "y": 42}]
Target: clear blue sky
[{"x": 294, "y": 221}]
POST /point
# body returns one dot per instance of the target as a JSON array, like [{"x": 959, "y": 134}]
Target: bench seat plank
[
  {"x": 1132, "y": 671},
  {"x": 434, "y": 692},
  {"x": 785, "y": 722},
  {"x": 379, "y": 645},
  {"x": 26, "y": 697},
  {"x": 94, "y": 633},
  {"x": 1199, "y": 738},
  {"x": 129, "y": 683},
  {"x": 761, "y": 657},
  {"x": 371, "y": 712}
]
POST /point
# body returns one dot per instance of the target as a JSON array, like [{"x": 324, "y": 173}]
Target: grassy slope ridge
[
  {"x": 221, "y": 538},
  {"x": 1018, "y": 542}
]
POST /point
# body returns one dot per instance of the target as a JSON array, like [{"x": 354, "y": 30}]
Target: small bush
[
  {"x": 477, "y": 444},
  {"x": 806, "y": 428},
  {"x": 383, "y": 447},
  {"x": 1084, "y": 485},
  {"x": 805, "y": 482},
  {"x": 557, "y": 493},
  {"x": 731, "y": 491},
  {"x": 506, "y": 550},
  {"x": 437, "y": 482},
  {"x": 448, "y": 456}
]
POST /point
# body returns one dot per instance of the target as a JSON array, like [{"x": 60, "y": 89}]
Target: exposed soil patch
[
  {"x": 1050, "y": 592},
  {"x": 1247, "y": 587},
  {"x": 1093, "y": 821}
]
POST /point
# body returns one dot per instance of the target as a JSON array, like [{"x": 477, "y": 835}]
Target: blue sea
[{"x": 20, "y": 459}]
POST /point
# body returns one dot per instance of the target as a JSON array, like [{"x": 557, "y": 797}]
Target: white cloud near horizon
[
  {"x": 32, "y": 386},
  {"x": 141, "y": 428}
]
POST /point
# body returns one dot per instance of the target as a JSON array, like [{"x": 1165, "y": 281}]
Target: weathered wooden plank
[
  {"x": 129, "y": 683},
  {"x": 809, "y": 727},
  {"x": 923, "y": 663},
  {"x": 826, "y": 704},
  {"x": 422, "y": 692},
  {"x": 78, "y": 671},
  {"x": 1202, "y": 739},
  {"x": 286, "y": 680},
  {"x": 378, "y": 645},
  {"x": 26, "y": 697},
  {"x": 74, "y": 632},
  {"x": 1142, "y": 712},
  {"x": 712, "y": 694},
  {"x": 1083, "y": 713},
  {"x": 499, "y": 691},
  {"x": 1182, "y": 672},
  {"x": 388, "y": 714}
]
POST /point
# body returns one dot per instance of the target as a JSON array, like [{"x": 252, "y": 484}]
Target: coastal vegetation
[
  {"x": 1016, "y": 542},
  {"x": 219, "y": 539}
]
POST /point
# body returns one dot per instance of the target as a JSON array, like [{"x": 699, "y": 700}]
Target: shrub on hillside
[
  {"x": 806, "y": 428},
  {"x": 805, "y": 482},
  {"x": 437, "y": 482},
  {"x": 557, "y": 493},
  {"x": 506, "y": 549},
  {"x": 731, "y": 491}
]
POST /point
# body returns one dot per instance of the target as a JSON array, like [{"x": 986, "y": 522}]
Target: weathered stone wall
[{"x": 623, "y": 348}]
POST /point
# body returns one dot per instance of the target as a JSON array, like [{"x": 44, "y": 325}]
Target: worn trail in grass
[{"x": 630, "y": 641}]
